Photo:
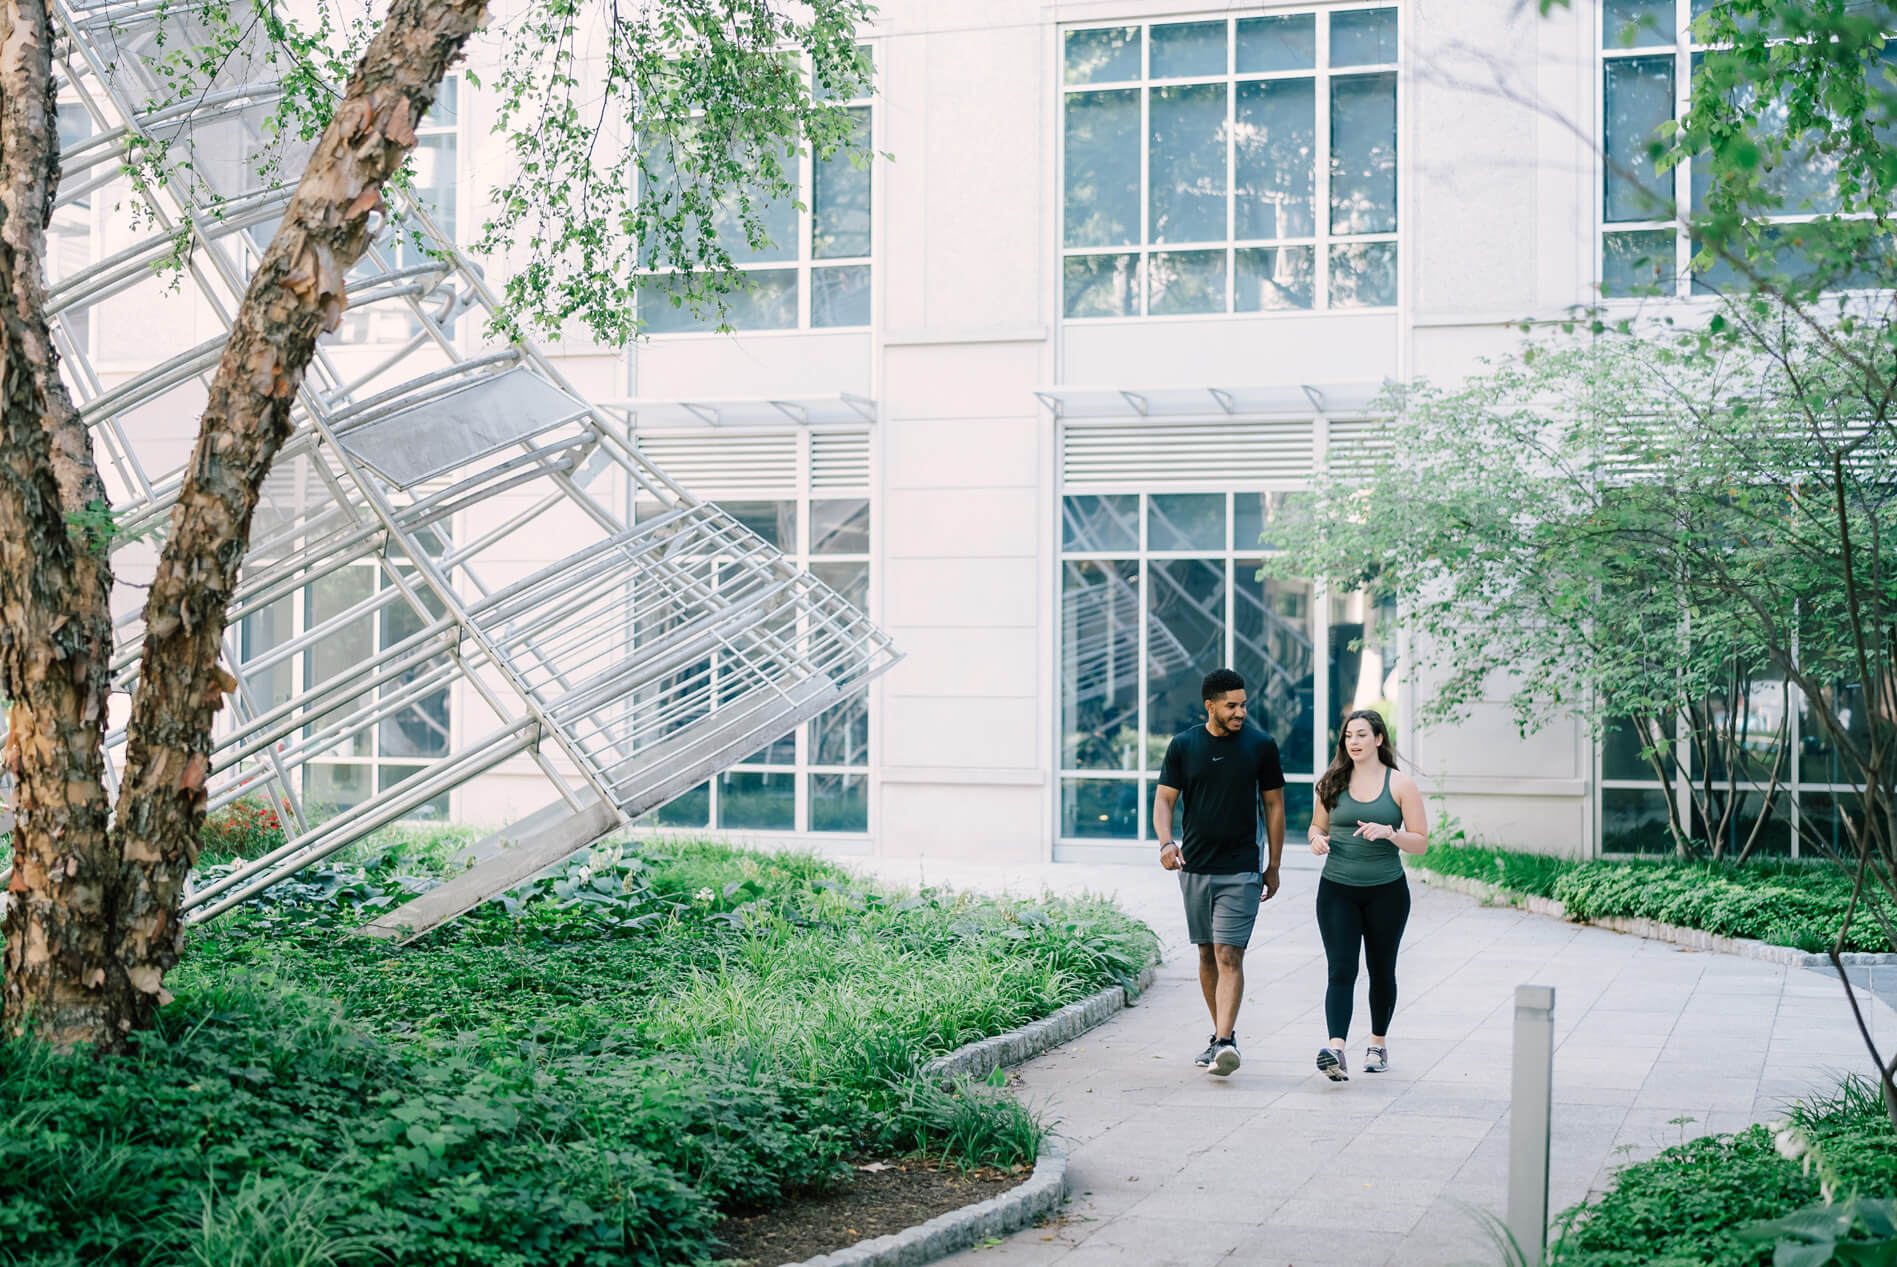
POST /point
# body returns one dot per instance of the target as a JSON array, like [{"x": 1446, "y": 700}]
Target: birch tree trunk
[
  {"x": 93, "y": 921},
  {"x": 55, "y": 601}
]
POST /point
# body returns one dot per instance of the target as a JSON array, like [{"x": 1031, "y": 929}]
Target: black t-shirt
[{"x": 1219, "y": 781}]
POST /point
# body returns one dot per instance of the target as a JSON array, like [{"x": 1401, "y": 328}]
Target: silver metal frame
[{"x": 647, "y": 658}]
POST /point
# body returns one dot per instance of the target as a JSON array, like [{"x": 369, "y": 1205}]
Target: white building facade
[{"x": 1033, "y": 390}]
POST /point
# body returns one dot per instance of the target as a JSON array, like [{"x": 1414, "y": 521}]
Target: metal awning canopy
[
  {"x": 745, "y": 411},
  {"x": 1296, "y": 400}
]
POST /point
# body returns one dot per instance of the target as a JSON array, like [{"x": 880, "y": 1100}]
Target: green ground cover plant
[
  {"x": 1705, "y": 1202},
  {"x": 1797, "y": 904},
  {"x": 593, "y": 1070}
]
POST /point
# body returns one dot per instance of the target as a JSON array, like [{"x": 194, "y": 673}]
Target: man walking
[{"x": 1222, "y": 772}]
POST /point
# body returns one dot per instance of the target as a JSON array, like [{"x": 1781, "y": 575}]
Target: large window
[
  {"x": 812, "y": 273},
  {"x": 1157, "y": 590},
  {"x": 1231, "y": 165},
  {"x": 436, "y": 165},
  {"x": 1761, "y": 755},
  {"x": 363, "y": 617},
  {"x": 815, "y": 779},
  {"x": 1648, "y": 58}
]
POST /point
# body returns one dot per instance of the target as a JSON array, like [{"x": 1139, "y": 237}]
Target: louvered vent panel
[
  {"x": 1358, "y": 446},
  {"x": 839, "y": 460},
  {"x": 725, "y": 466},
  {"x": 1176, "y": 452}
]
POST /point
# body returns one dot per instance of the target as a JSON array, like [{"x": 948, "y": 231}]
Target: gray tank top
[{"x": 1354, "y": 860}]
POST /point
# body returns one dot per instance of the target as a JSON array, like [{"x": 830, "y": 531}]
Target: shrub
[
  {"x": 244, "y": 829},
  {"x": 1784, "y": 903},
  {"x": 1698, "y": 1203}
]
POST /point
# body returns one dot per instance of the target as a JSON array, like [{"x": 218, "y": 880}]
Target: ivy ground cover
[{"x": 595, "y": 1070}]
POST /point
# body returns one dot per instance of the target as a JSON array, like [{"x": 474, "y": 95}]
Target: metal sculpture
[{"x": 501, "y": 538}]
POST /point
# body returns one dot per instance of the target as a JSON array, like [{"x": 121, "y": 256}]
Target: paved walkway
[{"x": 1277, "y": 1166}]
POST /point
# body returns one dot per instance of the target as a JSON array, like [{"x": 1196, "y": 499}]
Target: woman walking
[{"x": 1366, "y": 817}]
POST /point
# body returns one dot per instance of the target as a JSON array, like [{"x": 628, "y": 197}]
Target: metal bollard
[{"x": 1531, "y": 1099}]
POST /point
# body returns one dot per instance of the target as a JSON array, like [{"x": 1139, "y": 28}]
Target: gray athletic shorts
[{"x": 1220, "y": 909}]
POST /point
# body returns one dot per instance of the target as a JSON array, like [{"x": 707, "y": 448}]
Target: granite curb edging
[
  {"x": 982, "y": 1057},
  {"x": 1653, "y": 929},
  {"x": 1042, "y": 1192}
]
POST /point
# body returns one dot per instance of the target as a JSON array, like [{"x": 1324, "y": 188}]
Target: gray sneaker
[
  {"x": 1204, "y": 1060},
  {"x": 1376, "y": 1059},
  {"x": 1330, "y": 1063},
  {"x": 1225, "y": 1056}
]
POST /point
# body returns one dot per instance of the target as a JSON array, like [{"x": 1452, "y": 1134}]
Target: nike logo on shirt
[{"x": 1218, "y": 758}]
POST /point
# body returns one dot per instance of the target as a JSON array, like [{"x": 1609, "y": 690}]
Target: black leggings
[{"x": 1371, "y": 914}]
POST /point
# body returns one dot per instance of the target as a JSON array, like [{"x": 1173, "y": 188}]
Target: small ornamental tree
[
  {"x": 717, "y": 93},
  {"x": 1644, "y": 521}
]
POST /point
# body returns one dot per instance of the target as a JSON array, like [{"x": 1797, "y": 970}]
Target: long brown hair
[{"x": 1331, "y": 783}]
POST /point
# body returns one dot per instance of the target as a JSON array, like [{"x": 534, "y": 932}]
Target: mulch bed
[{"x": 884, "y": 1196}]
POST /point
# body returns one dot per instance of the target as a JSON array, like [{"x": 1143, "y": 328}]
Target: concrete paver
[{"x": 1276, "y": 1165}]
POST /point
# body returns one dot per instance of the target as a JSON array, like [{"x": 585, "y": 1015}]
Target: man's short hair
[{"x": 1219, "y": 681}]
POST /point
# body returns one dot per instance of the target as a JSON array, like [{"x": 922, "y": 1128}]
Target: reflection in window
[
  {"x": 1156, "y": 592},
  {"x": 1100, "y": 677},
  {"x": 1202, "y": 181},
  {"x": 805, "y": 256}
]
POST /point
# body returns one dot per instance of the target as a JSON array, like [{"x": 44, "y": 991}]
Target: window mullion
[{"x": 1321, "y": 176}]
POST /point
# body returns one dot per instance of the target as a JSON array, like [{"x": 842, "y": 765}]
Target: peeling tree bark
[
  {"x": 55, "y": 601},
  {"x": 295, "y": 295}
]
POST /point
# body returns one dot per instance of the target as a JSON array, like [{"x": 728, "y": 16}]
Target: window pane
[
  {"x": 442, "y": 114},
  {"x": 1185, "y": 636},
  {"x": 1103, "y": 168},
  {"x": 1253, "y": 514},
  {"x": 839, "y": 200},
  {"x": 1636, "y": 23},
  {"x": 1638, "y": 263},
  {"x": 1100, "y": 285},
  {"x": 1099, "y": 809},
  {"x": 1298, "y": 799},
  {"x": 328, "y": 789},
  {"x": 776, "y": 522},
  {"x": 1103, "y": 56},
  {"x": 1825, "y": 820},
  {"x": 433, "y": 810},
  {"x": 1633, "y": 820},
  {"x": 757, "y": 800},
  {"x": 840, "y": 736},
  {"x": 343, "y": 648},
  {"x": 1106, "y": 522},
  {"x": 688, "y": 809},
  {"x": 1272, "y": 650},
  {"x": 1639, "y": 98},
  {"x": 1363, "y": 154},
  {"x": 850, "y": 580},
  {"x": 1819, "y": 759},
  {"x": 1275, "y": 161},
  {"x": 1099, "y": 665},
  {"x": 260, "y": 632},
  {"x": 1363, "y": 275},
  {"x": 764, "y": 299},
  {"x": 840, "y": 296},
  {"x": 1184, "y": 282},
  {"x": 839, "y": 802},
  {"x": 776, "y": 217},
  {"x": 1186, "y": 163},
  {"x": 1756, "y": 729},
  {"x": 1277, "y": 43},
  {"x": 840, "y": 526},
  {"x": 434, "y": 160},
  {"x": 420, "y": 729},
  {"x": 1362, "y": 658},
  {"x": 1185, "y": 521},
  {"x": 1622, "y": 744},
  {"x": 1774, "y": 839},
  {"x": 1363, "y": 37},
  {"x": 1273, "y": 278},
  {"x": 1184, "y": 50}
]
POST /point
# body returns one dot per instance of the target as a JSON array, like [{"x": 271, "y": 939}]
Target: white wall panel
[
  {"x": 960, "y": 661},
  {"x": 970, "y": 732},
  {"x": 963, "y": 452},
  {"x": 1232, "y": 351},
  {"x": 992, "y": 823},
  {"x": 973, "y": 523}
]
